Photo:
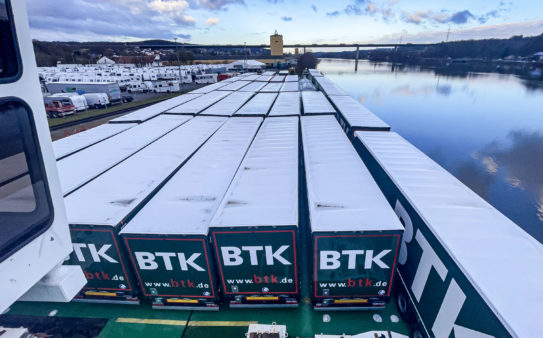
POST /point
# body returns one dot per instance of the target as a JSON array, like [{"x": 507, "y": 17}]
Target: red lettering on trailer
[
  {"x": 171, "y": 239},
  {"x": 250, "y": 232},
  {"x": 129, "y": 288},
  {"x": 360, "y": 280}
]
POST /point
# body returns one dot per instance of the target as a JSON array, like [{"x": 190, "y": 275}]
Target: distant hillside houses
[{"x": 145, "y": 61}]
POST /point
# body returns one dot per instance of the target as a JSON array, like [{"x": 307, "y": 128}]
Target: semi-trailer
[
  {"x": 254, "y": 232},
  {"x": 353, "y": 116},
  {"x": 99, "y": 210},
  {"x": 315, "y": 103},
  {"x": 199, "y": 104},
  {"x": 355, "y": 234},
  {"x": 460, "y": 259},
  {"x": 272, "y": 87},
  {"x": 252, "y": 77},
  {"x": 278, "y": 78},
  {"x": 112, "y": 89},
  {"x": 229, "y": 105},
  {"x": 71, "y": 144},
  {"x": 290, "y": 87},
  {"x": 253, "y": 87},
  {"x": 237, "y": 85},
  {"x": 147, "y": 113},
  {"x": 291, "y": 78},
  {"x": 259, "y": 105},
  {"x": 167, "y": 240},
  {"x": 286, "y": 104},
  {"x": 85, "y": 165},
  {"x": 209, "y": 88},
  {"x": 264, "y": 78},
  {"x": 315, "y": 73},
  {"x": 327, "y": 86}
]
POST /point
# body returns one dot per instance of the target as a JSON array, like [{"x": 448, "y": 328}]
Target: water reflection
[
  {"x": 487, "y": 129},
  {"x": 521, "y": 160}
]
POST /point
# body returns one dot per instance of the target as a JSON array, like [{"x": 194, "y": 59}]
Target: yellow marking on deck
[
  {"x": 182, "y": 322},
  {"x": 187, "y": 301},
  {"x": 218, "y": 323},
  {"x": 102, "y": 294},
  {"x": 152, "y": 321}
]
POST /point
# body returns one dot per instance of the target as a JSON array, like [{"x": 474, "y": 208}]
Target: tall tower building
[{"x": 276, "y": 44}]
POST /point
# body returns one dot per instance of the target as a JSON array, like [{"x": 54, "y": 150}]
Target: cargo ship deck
[{"x": 109, "y": 320}]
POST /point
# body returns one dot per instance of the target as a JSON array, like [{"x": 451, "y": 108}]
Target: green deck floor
[{"x": 142, "y": 321}]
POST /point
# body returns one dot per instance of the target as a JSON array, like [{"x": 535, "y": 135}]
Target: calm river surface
[{"x": 486, "y": 129}]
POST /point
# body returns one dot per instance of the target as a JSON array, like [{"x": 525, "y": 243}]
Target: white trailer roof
[
  {"x": 356, "y": 114},
  {"x": 229, "y": 105},
  {"x": 253, "y": 87},
  {"x": 286, "y": 104},
  {"x": 209, "y": 88},
  {"x": 315, "y": 73},
  {"x": 264, "y": 191},
  {"x": 74, "y": 143},
  {"x": 259, "y": 105},
  {"x": 186, "y": 204},
  {"x": 316, "y": 103},
  {"x": 484, "y": 243},
  {"x": 290, "y": 87},
  {"x": 291, "y": 78},
  {"x": 251, "y": 77},
  {"x": 272, "y": 87},
  {"x": 144, "y": 114},
  {"x": 264, "y": 78},
  {"x": 269, "y": 72},
  {"x": 329, "y": 87},
  {"x": 235, "y": 85},
  {"x": 83, "y": 166},
  {"x": 278, "y": 78},
  {"x": 342, "y": 195},
  {"x": 114, "y": 195},
  {"x": 200, "y": 103}
]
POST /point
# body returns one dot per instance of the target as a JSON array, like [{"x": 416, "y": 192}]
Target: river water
[{"x": 486, "y": 129}]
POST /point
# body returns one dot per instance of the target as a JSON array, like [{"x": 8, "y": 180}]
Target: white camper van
[
  {"x": 78, "y": 101},
  {"x": 97, "y": 100},
  {"x": 206, "y": 78}
]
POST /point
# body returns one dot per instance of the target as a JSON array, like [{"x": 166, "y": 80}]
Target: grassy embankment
[{"x": 98, "y": 112}]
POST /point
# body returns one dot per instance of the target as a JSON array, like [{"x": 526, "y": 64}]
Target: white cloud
[
  {"x": 499, "y": 31},
  {"x": 212, "y": 21},
  {"x": 175, "y": 6}
]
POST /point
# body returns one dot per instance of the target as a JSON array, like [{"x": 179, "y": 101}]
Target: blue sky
[{"x": 252, "y": 21}]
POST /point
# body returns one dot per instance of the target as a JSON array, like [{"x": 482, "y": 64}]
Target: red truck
[{"x": 59, "y": 109}]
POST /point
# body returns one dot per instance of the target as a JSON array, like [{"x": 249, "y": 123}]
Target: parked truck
[
  {"x": 79, "y": 102},
  {"x": 59, "y": 108},
  {"x": 112, "y": 89}
]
